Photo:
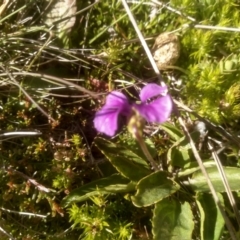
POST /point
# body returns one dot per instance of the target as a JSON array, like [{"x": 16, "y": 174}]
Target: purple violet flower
[{"x": 155, "y": 106}]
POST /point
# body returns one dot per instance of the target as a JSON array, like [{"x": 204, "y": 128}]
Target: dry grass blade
[
  {"x": 143, "y": 42},
  {"x": 7, "y": 234},
  {"x": 50, "y": 78},
  {"x": 225, "y": 182},
  {"x": 4, "y": 6},
  {"x": 172, "y": 9},
  {"x": 39, "y": 186},
  {"x": 16, "y": 134},
  {"x": 36, "y": 56},
  {"x": 29, "y": 97},
  {"x": 23, "y": 213}
]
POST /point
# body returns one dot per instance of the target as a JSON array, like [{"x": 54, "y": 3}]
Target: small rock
[{"x": 166, "y": 50}]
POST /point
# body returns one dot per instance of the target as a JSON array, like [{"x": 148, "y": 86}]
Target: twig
[
  {"x": 143, "y": 42},
  {"x": 31, "y": 180},
  {"x": 16, "y": 134},
  {"x": 219, "y": 28},
  {"x": 7, "y": 234},
  {"x": 23, "y": 213}
]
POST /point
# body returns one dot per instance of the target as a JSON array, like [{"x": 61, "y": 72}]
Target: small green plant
[{"x": 100, "y": 220}]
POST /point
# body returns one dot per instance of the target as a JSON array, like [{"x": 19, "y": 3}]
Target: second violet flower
[{"x": 156, "y": 106}]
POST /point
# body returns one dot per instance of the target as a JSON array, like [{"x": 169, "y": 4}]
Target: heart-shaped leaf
[{"x": 154, "y": 188}]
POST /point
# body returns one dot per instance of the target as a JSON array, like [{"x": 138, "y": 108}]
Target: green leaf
[
  {"x": 194, "y": 167},
  {"x": 112, "y": 184},
  {"x": 198, "y": 181},
  {"x": 212, "y": 222},
  {"x": 172, "y": 130},
  {"x": 180, "y": 154},
  {"x": 126, "y": 161},
  {"x": 135, "y": 147},
  {"x": 172, "y": 220},
  {"x": 153, "y": 189}
]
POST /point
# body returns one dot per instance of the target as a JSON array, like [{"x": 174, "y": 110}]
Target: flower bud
[{"x": 136, "y": 124}]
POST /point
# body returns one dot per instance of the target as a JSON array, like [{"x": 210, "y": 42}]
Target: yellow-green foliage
[
  {"x": 231, "y": 102},
  {"x": 212, "y": 60},
  {"x": 100, "y": 220}
]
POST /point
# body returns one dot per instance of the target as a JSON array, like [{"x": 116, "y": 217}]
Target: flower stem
[{"x": 146, "y": 152}]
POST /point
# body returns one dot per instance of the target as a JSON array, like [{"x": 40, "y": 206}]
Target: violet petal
[
  {"x": 159, "y": 110},
  {"x": 106, "y": 119},
  {"x": 117, "y": 99},
  {"x": 151, "y": 90}
]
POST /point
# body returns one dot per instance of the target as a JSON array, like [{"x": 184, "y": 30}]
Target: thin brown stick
[{"x": 31, "y": 180}]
